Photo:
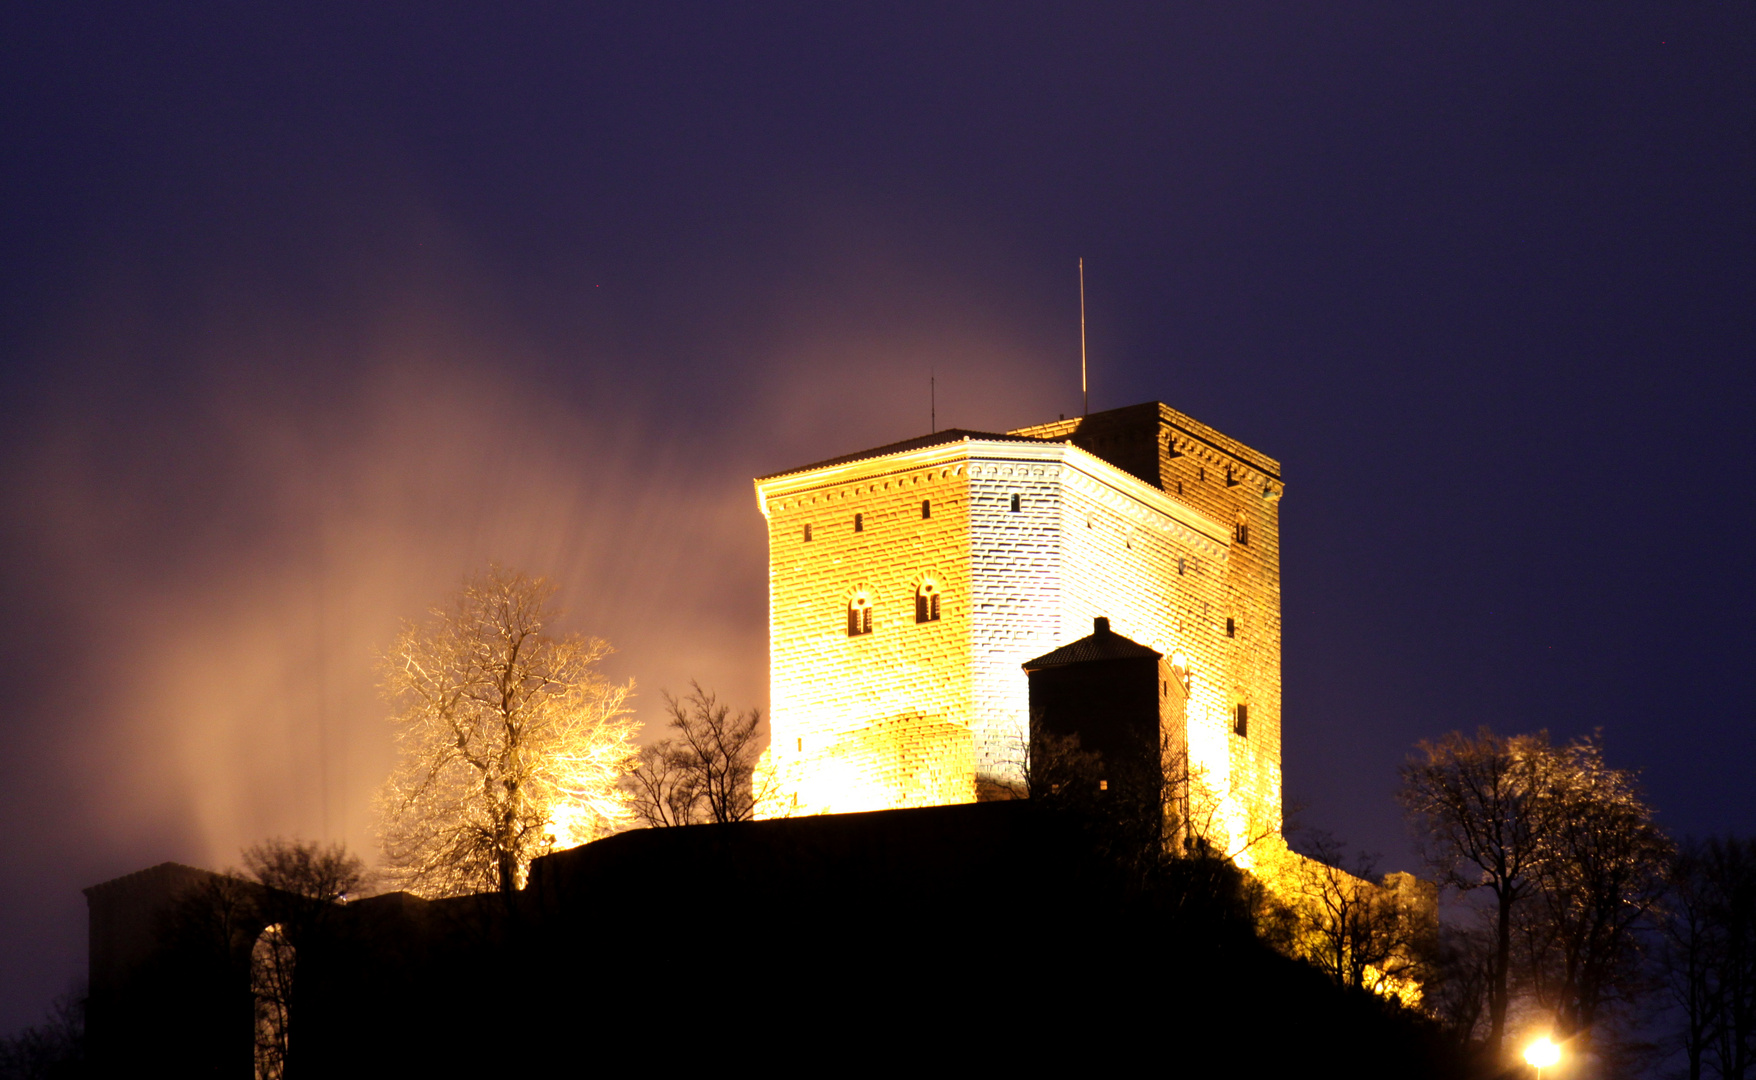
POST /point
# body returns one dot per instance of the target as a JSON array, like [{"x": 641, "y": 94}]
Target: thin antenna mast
[
  {"x": 933, "y": 399},
  {"x": 1084, "y": 388}
]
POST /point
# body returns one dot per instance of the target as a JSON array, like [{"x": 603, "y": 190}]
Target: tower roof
[
  {"x": 938, "y": 438},
  {"x": 1102, "y": 644}
]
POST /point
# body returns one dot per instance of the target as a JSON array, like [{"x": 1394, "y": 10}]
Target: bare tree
[
  {"x": 1601, "y": 872},
  {"x": 1481, "y": 809},
  {"x": 1144, "y": 810},
  {"x": 663, "y": 786},
  {"x": 512, "y": 744},
  {"x": 1456, "y": 989},
  {"x": 707, "y": 771},
  {"x": 51, "y": 1050},
  {"x": 1710, "y": 954},
  {"x": 303, "y": 883},
  {"x": 1357, "y": 931},
  {"x": 1691, "y": 950}
]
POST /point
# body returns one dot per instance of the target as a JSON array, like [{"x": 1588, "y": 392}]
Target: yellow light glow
[{"x": 1542, "y": 1053}]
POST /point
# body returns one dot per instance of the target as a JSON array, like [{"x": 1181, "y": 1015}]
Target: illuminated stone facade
[{"x": 1016, "y": 542}]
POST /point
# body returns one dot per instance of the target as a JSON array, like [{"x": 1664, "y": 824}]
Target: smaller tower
[{"x": 1110, "y": 712}]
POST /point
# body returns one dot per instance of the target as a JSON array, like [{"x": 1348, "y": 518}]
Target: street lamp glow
[{"x": 1542, "y": 1053}]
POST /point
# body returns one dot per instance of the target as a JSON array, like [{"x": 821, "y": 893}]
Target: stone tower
[{"x": 908, "y": 583}]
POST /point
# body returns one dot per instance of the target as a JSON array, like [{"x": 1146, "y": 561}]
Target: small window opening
[
  {"x": 926, "y": 509},
  {"x": 927, "y": 602},
  {"x": 859, "y": 616},
  {"x": 1231, "y": 628},
  {"x": 801, "y": 747},
  {"x": 1241, "y": 531},
  {"x": 1241, "y": 720},
  {"x": 1201, "y": 472},
  {"x": 1015, "y": 504},
  {"x": 1103, "y": 785},
  {"x": 1179, "y": 566},
  {"x": 859, "y": 523},
  {"x": 1179, "y": 487},
  {"x": 807, "y": 534}
]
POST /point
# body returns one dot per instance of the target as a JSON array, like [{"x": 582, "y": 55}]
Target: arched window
[
  {"x": 1241, "y": 531},
  {"x": 927, "y": 601},
  {"x": 859, "y": 615}
]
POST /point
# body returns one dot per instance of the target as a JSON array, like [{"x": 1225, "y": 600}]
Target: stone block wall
[
  {"x": 1017, "y": 571},
  {"x": 1131, "y": 514},
  {"x": 1228, "y": 482},
  {"x": 910, "y": 678}
]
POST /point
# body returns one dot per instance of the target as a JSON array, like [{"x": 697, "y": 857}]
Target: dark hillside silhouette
[{"x": 985, "y": 931}]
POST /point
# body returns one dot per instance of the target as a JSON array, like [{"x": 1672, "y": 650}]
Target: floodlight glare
[{"x": 1542, "y": 1053}]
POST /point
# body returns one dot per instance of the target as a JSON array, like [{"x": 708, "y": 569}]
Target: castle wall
[
  {"x": 1016, "y": 583},
  {"x": 1135, "y": 521},
  {"x": 1196, "y": 466},
  {"x": 881, "y": 719}
]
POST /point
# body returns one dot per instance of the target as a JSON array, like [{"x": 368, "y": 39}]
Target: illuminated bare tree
[
  {"x": 1568, "y": 850},
  {"x": 1360, "y": 933},
  {"x": 1602, "y": 871},
  {"x": 1482, "y": 808},
  {"x": 707, "y": 771},
  {"x": 512, "y": 745}
]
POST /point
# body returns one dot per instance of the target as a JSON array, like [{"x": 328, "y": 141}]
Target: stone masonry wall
[
  {"x": 1195, "y": 465},
  {"x": 1016, "y": 582},
  {"x": 910, "y": 680},
  {"x": 880, "y": 720}
]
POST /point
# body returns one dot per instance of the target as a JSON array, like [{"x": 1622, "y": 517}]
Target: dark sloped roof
[
  {"x": 165, "y": 873},
  {"x": 938, "y": 438},
  {"x": 1102, "y": 644}
]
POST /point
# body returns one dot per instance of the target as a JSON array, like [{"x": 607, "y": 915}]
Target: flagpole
[{"x": 1084, "y": 388}]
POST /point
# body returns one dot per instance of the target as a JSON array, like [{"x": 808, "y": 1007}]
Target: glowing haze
[
  {"x": 237, "y": 563},
  {"x": 306, "y": 313}
]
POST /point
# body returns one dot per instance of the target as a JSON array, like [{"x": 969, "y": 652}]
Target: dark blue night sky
[{"x": 305, "y": 313}]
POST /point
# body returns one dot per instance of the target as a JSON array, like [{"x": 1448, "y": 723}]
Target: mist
[
  {"x": 223, "y": 516},
  {"x": 308, "y": 313}
]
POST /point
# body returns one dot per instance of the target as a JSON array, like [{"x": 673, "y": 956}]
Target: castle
[
  {"x": 909, "y": 583},
  {"x": 929, "y": 608}
]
